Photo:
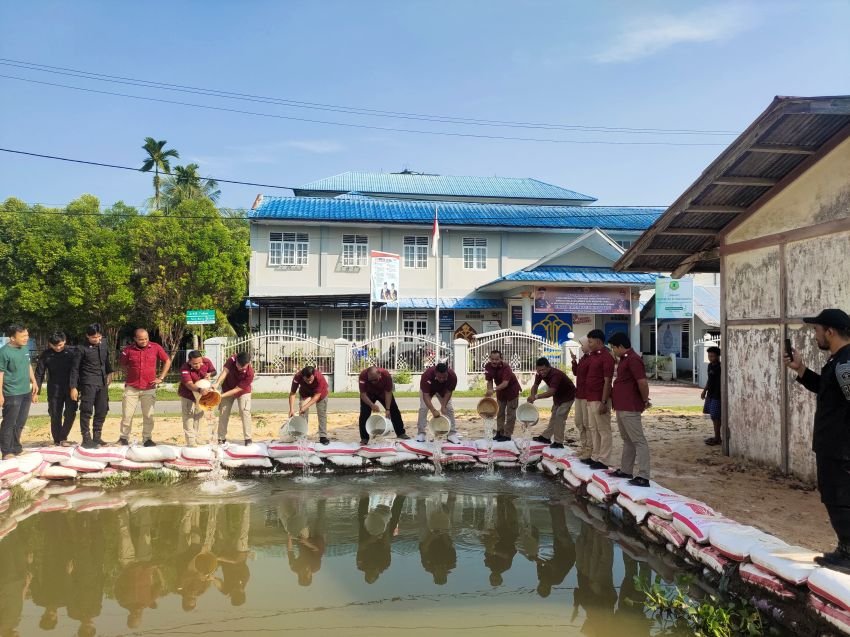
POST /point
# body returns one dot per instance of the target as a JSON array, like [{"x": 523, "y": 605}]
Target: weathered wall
[
  {"x": 818, "y": 272},
  {"x": 752, "y": 284}
]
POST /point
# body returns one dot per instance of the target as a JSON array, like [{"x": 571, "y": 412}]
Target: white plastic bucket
[
  {"x": 294, "y": 428},
  {"x": 377, "y": 426},
  {"x": 527, "y": 413},
  {"x": 439, "y": 425},
  {"x": 211, "y": 400}
]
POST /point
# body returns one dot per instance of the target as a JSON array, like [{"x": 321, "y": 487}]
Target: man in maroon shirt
[
  {"x": 235, "y": 382},
  {"x": 631, "y": 397},
  {"x": 141, "y": 380},
  {"x": 580, "y": 372},
  {"x": 197, "y": 367},
  {"x": 563, "y": 393},
  {"x": 600, "y": 373},
  {"x": 439, "y": 381},
  {"x": 502, "y": 381},
  {"x": 312, "y": 388},
  {"x": 376, "y": 386}
]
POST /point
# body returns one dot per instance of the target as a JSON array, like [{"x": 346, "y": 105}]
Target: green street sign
[{"x": 200, "y": 317}]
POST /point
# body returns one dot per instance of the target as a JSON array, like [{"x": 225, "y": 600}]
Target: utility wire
[{"x": 352, "y": 110}]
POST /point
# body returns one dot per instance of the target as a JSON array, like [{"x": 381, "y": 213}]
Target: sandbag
[
  {"x": 638, "y": 511},
  {"x": 834, "y": 615},
  {"x": 102, "y": 454},
  {"x": 399, "y": 458},
  {"x": 254, "y": 462},
  {"x": 582, "y": 471},
  {"x": 59, "y": 489},
  {"x": 337, "y": 449},
  {"x": 554, "y": 454},
  {"x": 103, "y": 503},
  {"x": 203, "y": 453},
  {"x": 695, "y": 525},
  {"x": 7, "y": 467},
  {"x": 5, "y": 496},
  {"x": 664, "y": 504},
  {"x": 187, "y": 466},
  {"x": 568, "y": 461},
  {"x": 665, "y": 529},
  {"x": 108, "y": 472},
  {"x": 462, "y": 448},
  {"x": 756, "y": 576},
  {"x": 571, "y": 479},
  {"x": 550, "y": 467},
  {"x": 312, "y": 460},
  {"x": 640, "y": 494},
  {"x": 708, "y": 556},
  {"x": 52, "y": 505},
  {"x": 832, "y": 586},
  {"x": 596, "y": 493},
  {"x": 57, "y": 472},
  {"x": 279, "y": 449},
  {"x": 735, "y": 541},
  {"x": 254, "y": 450},
  {"x": 81, "y": 494},
  {"x": 424, "y": 449},
  {"x": 158, "y": 453},
  {"x": 346, "y": 461},
  {"x": 458, "y": 459},
  {"x": 793, "y": 564},
  {"x": 30, "y": 461},
  {"x": 608, "y": 483},
  {"x": 378, "y": 449},
  {"x": 508, "y": 446},
  {"x": 56, "y": 454},
  {"x": 83, "y": 465},
  {"x": 15, "y": 479},
  {"x": 132, "y": 465},
  {"x": 497, "y": 456}
]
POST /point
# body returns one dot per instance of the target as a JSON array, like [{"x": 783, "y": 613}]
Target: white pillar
[
  {"x": 461, "y": 363},
  {"x": 635, "y": 328},
  {"x": 214, "y": 350},
  {"x": 526, "y": 314},
  {"x": 342, "y": 350}
]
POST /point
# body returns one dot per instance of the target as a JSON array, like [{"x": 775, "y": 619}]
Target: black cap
[{"x": 830, "y": 318}]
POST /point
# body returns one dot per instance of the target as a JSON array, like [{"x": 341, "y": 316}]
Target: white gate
[
  {"x": 398, "y": 352},
  {"x": 519, "y": 350},
  {"x": 283, "y": 352}
]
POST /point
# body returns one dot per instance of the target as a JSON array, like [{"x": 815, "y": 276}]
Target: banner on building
[
  {"x": 582, "y": 300},
  {"x": 386, "y": 271},
  {"x": 670, "y": 339},
  {"x": 554, "y": 328},
  {"x": 674, "y": 298}
]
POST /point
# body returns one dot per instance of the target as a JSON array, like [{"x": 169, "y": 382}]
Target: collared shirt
[
  {"x": 560, "y": 383},
  {"x": 92, "y": 366},
  {"x": 56, "y": 366},
  {"x": 832, "y": 415},
  {"x": 580, "y": 372},
  {"x": 189, "y": 375},
  {"x": 433, "y": 387},
  {"x": 499, "y": 375},
  {"x": 139, "y": 364},
  {"x": 242, "y": 379},
  {"x": 625, "y": 394},
  {"x": 15, "y": 365},
  {"x": 377, "y": 388},
  {"x": 599, "y": 367},
  {"x": 712, "y": 386},
  {"x": 307, "y": 390}
]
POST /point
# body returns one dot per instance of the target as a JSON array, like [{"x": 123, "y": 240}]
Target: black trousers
[
  {"x": 395, "y": 418},
  {"x": 834, "y": 487},
  {"x": 16, "y": 410},
  {"x": 94, "y": 401},
  {"x": 62, "y": 410}
]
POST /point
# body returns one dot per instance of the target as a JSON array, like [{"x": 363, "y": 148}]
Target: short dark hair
[
  {"x": 597, "y": 334},
  {"x": 542, "y": 362},
  {"x": 243, "y": 358},
  {"x": 309, "y": 370},
  {"x": 619, "y": 339},
  {"x": 195, "y": 354},
  {"x": 93, "y": 329},
  {"x": 713, "y": 350},
  {"x": 56, "y": 338},
  {"x": 841, "y": 331},
  {"x": 14, "y": 328},
  {"x": 442, "y": 368},
  {"x": 495, "y": 351}
]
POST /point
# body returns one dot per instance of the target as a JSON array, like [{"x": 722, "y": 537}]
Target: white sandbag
[
  {"x": 665, "y": 529},
  {"x": 497, "y": 456},
  {"x": 346, "y": 461},
  {"x": 550, "y": 467},
  {"x": 458, "y": 459},
  {"x": 640, "y": 494},
  {"x": 5, "y": 496},
  {"x": 337, "y": 449},
  {"x": 571, "y": 479},
  {"x": 254, "y": 450},
  {"x": 56, "y": 454},
  {"x": 108, "y": 472},
  {"x": 504, "y": 464},
  {"x": 30, "y": 461},
  {"x": 15, "y": 479},
  {"x": 756, "y": 576},
  {"x": 735, "y": 541},
  {"x": 102, "y": 503},
  {"x": 204, "y": 453},
  {"x": 554, "y": 454},
  {"x": 708, "y": 556},
  {"x": 280, "y": 449},
  {"x": 608, "y": 483},
  {"x": 793, "y": 564},
  {"x": 254, "y": 462},
  {"x": 638, "y": 511},
  {"x": 378, "y": 450},
  {"x": 596, "y": 493},
  {"x": 157, "y": 453},
  {"x": 312, "y": 460},
  {"x": 832, "y": 586},
  {"x": 102, "y": 454},
  {"x": 508, "y": 446},
  {"x": 568, "y": 461},
  {"x": 132, "y": 465},
  {"x": 57, "y": 472},
  {"x": 424, "y": 449},
  {"x": 8, "y": 467},
  {"x": 399, "y": 458},
  {"x": 583, "y": 472},
  {"x": 187, "y": 466},
  {"x": 695, "y": 525},
  {"x": 834, "y": 615},
  {"x": 34, "y": 485},
  {"x": 461, "y": 448},
  {"x": 664, "y": 504},
  {"x": 83, "y": 465}
]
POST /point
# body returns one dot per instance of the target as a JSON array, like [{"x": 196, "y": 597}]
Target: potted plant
[{"x": 665, "y": 371}]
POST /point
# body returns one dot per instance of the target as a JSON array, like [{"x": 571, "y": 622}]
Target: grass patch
[
  {"x": 148, "y": 476},
  {"x": 20, "y": 496}
]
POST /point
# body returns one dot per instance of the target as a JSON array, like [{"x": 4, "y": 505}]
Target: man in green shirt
[{"x": 19, "y": 389}]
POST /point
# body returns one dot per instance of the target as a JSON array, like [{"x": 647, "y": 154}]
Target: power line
[
  {"x": 360, "y": 126},
  {"x": 352, "y": 110}
]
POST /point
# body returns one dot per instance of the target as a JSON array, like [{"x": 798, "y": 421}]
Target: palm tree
[
  {"x": 157, "y": 160},
  {"x": 186, "y": 183}
]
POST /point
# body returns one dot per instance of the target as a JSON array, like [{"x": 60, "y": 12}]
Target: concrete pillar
[
  {"x": 635, "y": 327},
  {"x": 342, "y": 351},
  {"x": 526, "y": 314},
  {"x": 214, "y": 350},
  {"x": 461, "y": 363}
]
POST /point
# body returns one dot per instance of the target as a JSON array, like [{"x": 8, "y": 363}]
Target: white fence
[
  {"x": 519, "y": 350},
  {"x": 399, "y": 352},
  {"x": 276, "y": 353}
]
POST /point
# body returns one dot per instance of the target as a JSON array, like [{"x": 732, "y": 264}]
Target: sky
[{"x": 676, "y": 66}]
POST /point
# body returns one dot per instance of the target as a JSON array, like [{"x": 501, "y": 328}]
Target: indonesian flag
[{"x": 435, "y": 239}]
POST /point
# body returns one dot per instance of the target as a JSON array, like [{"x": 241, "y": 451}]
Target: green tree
[
  {"x": 157, "y": 160},
  {"x": 185, "y": 184}
]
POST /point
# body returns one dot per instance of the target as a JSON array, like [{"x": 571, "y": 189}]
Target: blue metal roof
[
  {"x": 449, "y": 303},
  {"x": 408, "y": 211},
  {"x": 578, "y": 274},
  {"x": 707, "y": 304},
  {"x": 435, "y": 185}
]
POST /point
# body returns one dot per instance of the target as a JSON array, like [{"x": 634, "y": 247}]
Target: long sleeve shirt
[
  {"x": 92, "y": 366},
  {"x": 832, "y": 415},
  {"x": 56, "y": 366}
]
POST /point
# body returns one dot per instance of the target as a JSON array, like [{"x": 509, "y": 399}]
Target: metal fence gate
[{"x": 283, "y": 353}]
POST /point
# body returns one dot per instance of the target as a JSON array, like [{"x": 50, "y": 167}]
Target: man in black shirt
[
  {"x": 55, "y": 362},
  {"x": 831, "y": 439},
  {"x": 90, "y": 378},
  {"x": 711, "y": 394}
]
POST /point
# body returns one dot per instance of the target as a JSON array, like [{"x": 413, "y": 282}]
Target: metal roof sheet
[
  {"x": 577, "y": 274},
  {"x": 448, "y": 303},
  {"x": 435, "y": 185},
  {"x": 409, "y": 211}
]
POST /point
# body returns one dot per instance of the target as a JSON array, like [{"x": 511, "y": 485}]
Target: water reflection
[{"x": 146, "y": 566}]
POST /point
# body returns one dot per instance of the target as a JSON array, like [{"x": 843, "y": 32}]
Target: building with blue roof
[{"x": 500, "y": 241}]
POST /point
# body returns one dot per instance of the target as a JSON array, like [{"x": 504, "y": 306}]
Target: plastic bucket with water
[
  {"x": 377, "y": 426},
  {"x": 294, "y": 428},
  {"x": 439, "y": 425},
  {"x": 208, "y": 401},
  {"x": 527, "y": 413},
  {"x": 488, "y": 407}
]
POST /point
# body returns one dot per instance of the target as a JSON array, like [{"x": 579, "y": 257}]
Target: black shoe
[
  {"x": 643, "y": 482},
  {"x": 403, "y": 436},
  {"x": 503, "y": 439},
  {"x": 621, "y": 474},
  {"x": 100, "y": 442},
  {"x": 221, "y": 441},
  {"x": 364, "y": 441},
  {"x": 556, "y": 445},
  {"x": 88, "y": 443},
  {"x": 149, "y": 443},
  {"x": 324, "y": 441},
  {"x": 587, "y": 461},
  {"x": 124, "y": 442},
  {"x": 598, "y": 465},
  {"x": 248, "y": 441},
  {"x": 542, "y": 439},
  {"x": 497, "y": 437}
]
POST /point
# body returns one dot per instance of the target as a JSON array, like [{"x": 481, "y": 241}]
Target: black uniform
[
  {"x": 57, "y": 367},
  {"x": 89, "y": 375},
  {"x": 831, "y": 440}
]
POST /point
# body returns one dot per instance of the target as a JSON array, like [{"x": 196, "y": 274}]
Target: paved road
[{"x": 662, "y": 395}]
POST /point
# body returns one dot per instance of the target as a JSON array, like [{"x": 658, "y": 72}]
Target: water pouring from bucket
[
  {"x": 295, "y": 430},
  {"x": 206, "y": 398},
  {"x": 377, "y": 426},
  {"x": 528, "y": 416},
  {"x": 488, "y": 409}
]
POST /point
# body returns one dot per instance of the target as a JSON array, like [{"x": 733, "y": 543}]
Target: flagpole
[{"x": 436, "y": 240}]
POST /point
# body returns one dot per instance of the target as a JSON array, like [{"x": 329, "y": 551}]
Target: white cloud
[
  {"x": 645, "y": 36},
  {"x": 317, "y": 146}
]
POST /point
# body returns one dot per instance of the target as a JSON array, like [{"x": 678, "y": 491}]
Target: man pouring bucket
[{"x": 439, "y": 381}]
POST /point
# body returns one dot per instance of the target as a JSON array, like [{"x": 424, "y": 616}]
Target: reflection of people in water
[
  {"x": 630, "y": 603},
  {"x": 87, "y": 578},
  {"x": 595, "y": 591},
  {"x": 51, "y": 569},
  {"x": 541, "y": 303},
  {"x": 377, "y": 517},
  {"x": 436, "y": 547},
  {"x": 195, "y": 561},
  {"x": 232, "y": 550},
  {"x": 305, "y": 540},
  {"x": 140, "y": 582},
  {"x": 501, "y": 530},
  {"x": 553, "y": 570},
  {"x": 15, "y": 577}
]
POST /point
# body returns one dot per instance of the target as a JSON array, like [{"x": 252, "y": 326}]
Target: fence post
[
  {"x": 461, "y": 360},
  {"x": 342, "y": 350},
  {"x": 215, "y": 351}
]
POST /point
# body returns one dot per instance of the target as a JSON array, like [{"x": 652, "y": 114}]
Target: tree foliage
[
  {"x": 157, "y": 160},
  {"x": 186, "y": 184}
]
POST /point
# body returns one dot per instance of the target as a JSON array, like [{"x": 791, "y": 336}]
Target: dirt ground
[{"x": 741, "y": 490}]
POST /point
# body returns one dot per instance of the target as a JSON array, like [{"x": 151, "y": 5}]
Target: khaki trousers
[
  {"x": 506, "y": 420},
  {"x": 192, "y": 417},
  {"x": 243, "y": 403},
  {"x": 585, "y": 450},
  {"x": 132, "y": 397},
  {"x": 321, "y": 412},
  {"x": 635, "y": 446},
  {"x": 557, "y": 422},
  {"x": 422, "y": 423},
  {"x": 599, "y": 426}
]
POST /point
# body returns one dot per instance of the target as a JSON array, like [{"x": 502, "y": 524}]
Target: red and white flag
[{"x": 435, "y": 238}]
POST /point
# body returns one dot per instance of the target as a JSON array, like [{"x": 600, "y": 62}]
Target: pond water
[{"x": 374, "y": 555}]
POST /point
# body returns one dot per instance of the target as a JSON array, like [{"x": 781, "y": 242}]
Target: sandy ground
[{"x": 741, "y": 490}]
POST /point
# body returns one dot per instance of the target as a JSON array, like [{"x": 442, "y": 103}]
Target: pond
[{"x": 363, "y": 555}]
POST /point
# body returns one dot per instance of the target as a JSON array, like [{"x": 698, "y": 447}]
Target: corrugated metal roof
[
  {"x": 448, "y": 303},
  {"x": 577, "y": 274},
  {"x": 408, "y": 211},
  {"x": 435, "y": 185}
]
